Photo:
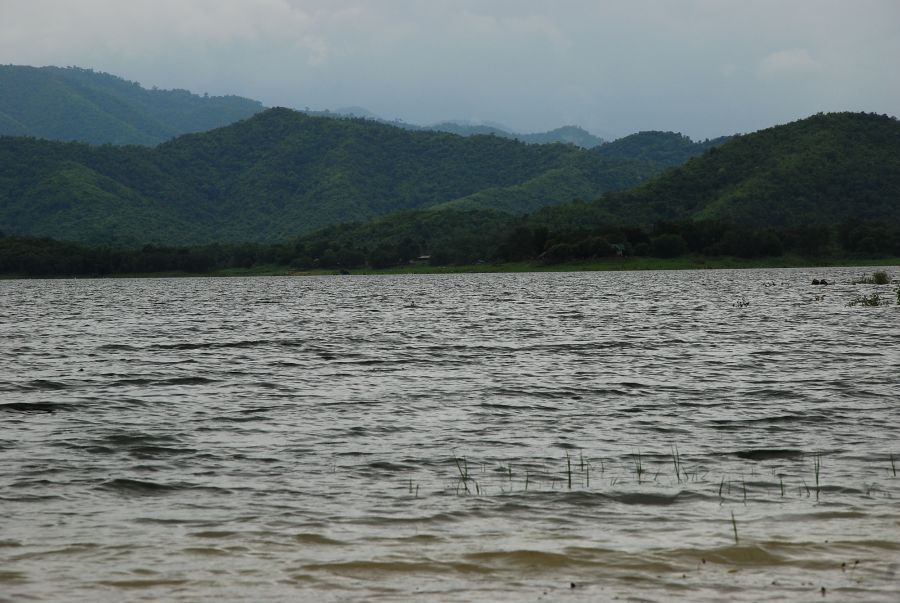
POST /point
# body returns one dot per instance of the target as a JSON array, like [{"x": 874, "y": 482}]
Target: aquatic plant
[
  {"x": 817, "y": 467},
  {"x": 576, "y": 474},
  {"x": 878, "y": 278},
  {"x": 869, "y": 300},
  {"x": 676, "y": 460},
  {"x": 638, "y": 465},
  {"x": 463, "y": 469},
  {"x": 734, "y": 527}
]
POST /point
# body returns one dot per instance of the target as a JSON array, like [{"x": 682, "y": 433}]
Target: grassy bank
[
  {"x": 599, "y": 265},
  {"x": 639, "y": 263}
]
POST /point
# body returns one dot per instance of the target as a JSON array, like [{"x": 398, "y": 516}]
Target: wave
[{"x": 34, "y": 407}]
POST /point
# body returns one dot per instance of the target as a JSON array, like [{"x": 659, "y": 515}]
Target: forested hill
[
  {"x": 618, "y": 165},
  {"x": 566, "y": 134},
  {"x": 280, "y": 174},
  {"x": 825, "y": 169},
  {"x": 829, "y": 184},
  {"x": 669, "y": 148},
  {"x": 88, "y": 106}
]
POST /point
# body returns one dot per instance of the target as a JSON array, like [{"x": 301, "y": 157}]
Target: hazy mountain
[
  {"x": 83, "y": 105},
  {"x": 74, "y": 104},
  {"x": 356, "y": 111},
  {"x": 566, "y": 134}
]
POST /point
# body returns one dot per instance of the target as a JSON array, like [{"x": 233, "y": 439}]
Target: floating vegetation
[
  {"x": 878, "y": 278},
  {"x": 875, "y": 299},
  {"x": 871, "y": 300}
]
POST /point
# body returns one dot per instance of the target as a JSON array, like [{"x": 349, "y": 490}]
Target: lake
[{"x": 697, "y": 435}]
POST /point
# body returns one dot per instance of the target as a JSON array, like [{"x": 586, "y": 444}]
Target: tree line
[{"x": 348, "y": 247}]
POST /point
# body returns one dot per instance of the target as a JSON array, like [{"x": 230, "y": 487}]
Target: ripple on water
[{"x": 456, "y": 437}]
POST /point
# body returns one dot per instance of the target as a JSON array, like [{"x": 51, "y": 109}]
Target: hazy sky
[{"x": 702, "y": 67}]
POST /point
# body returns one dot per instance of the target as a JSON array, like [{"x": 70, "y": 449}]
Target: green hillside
[
  {"x": 612, "y": 166},
  {"x": 826, "y": 185},
  {"x": 83, "y": 105},
  {"x": 821, "y": 170},
  {"x": 280, "y": 174}
]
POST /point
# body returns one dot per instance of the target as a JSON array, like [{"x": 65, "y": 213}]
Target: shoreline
[{"x": 616, "y": 264}]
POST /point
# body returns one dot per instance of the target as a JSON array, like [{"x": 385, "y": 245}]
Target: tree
[{"x": 668, "y": 246}]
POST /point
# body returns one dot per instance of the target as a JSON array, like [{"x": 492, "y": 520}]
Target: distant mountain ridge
[
  {"x": 566, "y": 134},
  {"x": 83, "y": 105}
]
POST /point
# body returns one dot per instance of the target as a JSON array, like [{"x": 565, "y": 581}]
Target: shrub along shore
[{"x": 601, "y": 265}]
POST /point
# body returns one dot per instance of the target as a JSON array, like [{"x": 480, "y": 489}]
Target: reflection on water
[{"x": 472, "y": 437}]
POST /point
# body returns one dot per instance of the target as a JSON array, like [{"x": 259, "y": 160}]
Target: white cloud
[{"x": 788, "y": 63}]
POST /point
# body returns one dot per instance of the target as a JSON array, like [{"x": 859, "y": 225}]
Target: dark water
[{"x": 452, "y": 438}]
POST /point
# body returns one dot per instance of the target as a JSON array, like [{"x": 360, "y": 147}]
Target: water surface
[{"x": 450, "y": 437}]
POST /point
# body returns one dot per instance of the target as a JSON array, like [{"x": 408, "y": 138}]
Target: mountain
[
  {"x": 613, "y": 166},
  {"x": 565, "y": 134},
  {"x": 468, "y": 129},
  {"x": 280, "y": 174},
  {"x": 356, "y": 111},
  {"x": 74, "y": 104},
  {"x": 825, "y": 169},
  {"x": 826, "y": 184},
  {"x": 669, "y": 148}
]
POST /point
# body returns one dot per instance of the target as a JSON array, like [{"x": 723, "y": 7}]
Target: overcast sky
[{"x": 702, "y": 67}]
